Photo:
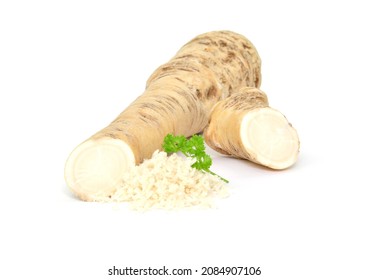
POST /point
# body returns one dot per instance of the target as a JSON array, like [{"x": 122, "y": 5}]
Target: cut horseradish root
[
  {"x": 243, "y": 126},
  {"x": 201, "y": 84},
  {"x": 95, "y": 168}
]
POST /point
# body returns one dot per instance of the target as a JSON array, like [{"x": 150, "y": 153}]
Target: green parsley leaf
[
  {"x": 173, "y": 144},
  {"x": 193, "y": 147}
]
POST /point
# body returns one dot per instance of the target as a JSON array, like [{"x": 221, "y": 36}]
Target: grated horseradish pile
[{"x": 168, "y": 182}]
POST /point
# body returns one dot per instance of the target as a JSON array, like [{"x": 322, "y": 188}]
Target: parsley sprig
[{"x": 193, "y": 147}]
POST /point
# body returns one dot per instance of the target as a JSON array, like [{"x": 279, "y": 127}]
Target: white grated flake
[{"x": 168, "y": 182}]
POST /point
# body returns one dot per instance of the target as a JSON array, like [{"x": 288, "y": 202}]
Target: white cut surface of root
[
  {"x": 96, "y": 167},
  {"x": 269, "y": 138}
]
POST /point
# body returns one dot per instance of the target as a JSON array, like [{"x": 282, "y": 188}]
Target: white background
[{"x": 67, "y": 68}]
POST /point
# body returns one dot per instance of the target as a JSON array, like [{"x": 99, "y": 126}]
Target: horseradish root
[
  {"x": 244, "y": 126},
  {"x": 178, "y": 99}
]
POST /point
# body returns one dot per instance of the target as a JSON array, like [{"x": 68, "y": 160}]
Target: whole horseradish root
[
  {"x": 244, "y": 126},
  {"x": 178, "y": 99}
]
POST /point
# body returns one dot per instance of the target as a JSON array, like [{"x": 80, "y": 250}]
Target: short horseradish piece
[{"x": 244, "y": 126}]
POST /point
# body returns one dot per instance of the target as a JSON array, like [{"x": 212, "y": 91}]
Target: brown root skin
[
  {"x": 244, "y": 126},
  {"x": 178, "y": 99}
]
